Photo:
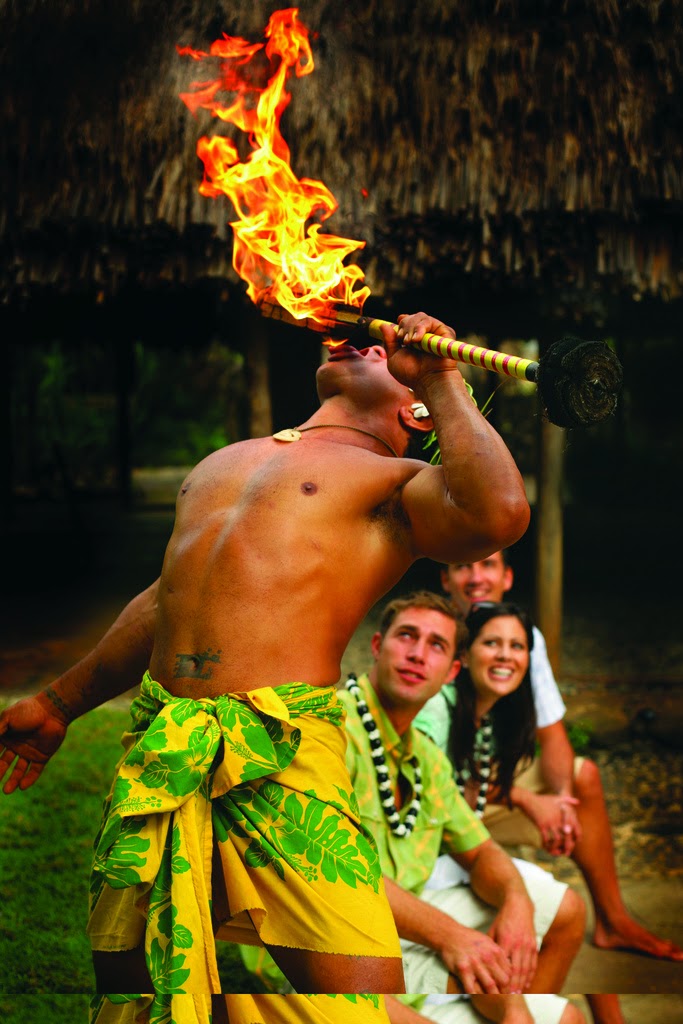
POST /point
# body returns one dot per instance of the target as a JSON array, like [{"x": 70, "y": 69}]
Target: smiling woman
[
  {"x": 498, "y": 659},
  {"x": 493, "y": 722}
]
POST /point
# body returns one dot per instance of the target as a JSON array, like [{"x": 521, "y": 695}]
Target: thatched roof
[{"x": 535, "y": 142}]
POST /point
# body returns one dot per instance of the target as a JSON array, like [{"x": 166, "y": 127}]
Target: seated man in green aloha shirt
[
  {"x": 242, "y": 638},
  {"x": 481, "y": 935}
]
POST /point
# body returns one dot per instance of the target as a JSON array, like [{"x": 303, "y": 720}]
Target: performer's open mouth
[{"x": 344, "y": 351}]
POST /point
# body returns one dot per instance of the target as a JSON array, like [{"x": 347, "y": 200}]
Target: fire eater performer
[{"x": 232, "y": 811}]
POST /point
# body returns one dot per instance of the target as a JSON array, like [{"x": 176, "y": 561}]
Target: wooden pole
[
  {"x": 549, "y": 546},
  {"x": 124, "y": 356},
  {"x": 7, "y": 448}
]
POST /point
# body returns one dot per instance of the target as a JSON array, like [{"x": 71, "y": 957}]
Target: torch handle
[{"x": 475, "y": 355}]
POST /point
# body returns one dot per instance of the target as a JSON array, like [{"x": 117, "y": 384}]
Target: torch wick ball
[{"x": 579, "y": 382}]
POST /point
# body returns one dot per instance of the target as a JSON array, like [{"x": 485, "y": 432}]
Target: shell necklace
[
  {"x": 482, "y": 756},
  {"x": 398, "y": 827}
]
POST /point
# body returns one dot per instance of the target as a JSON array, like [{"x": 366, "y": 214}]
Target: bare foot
[{"x": 631, "y": 935}]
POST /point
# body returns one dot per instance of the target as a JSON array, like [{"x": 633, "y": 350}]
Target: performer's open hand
[
  {"x": 408, "y": 363},
  {"x": 30, "y": 733}
]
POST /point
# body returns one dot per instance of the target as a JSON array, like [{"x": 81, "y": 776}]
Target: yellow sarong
[
  {"x": 241, "y": 1009},
  {"x": 262, "y": 776}
]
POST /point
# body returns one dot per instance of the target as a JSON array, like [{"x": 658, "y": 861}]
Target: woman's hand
[{"x": 554, "y": 815}]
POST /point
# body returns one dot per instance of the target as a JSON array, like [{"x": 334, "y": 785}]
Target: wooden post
[
  {"x": 258, "y": 379},
  {"x": 7, "y": 449},
  {"x": 549, "y": 553},
  {"x": 124, "y": 356}
]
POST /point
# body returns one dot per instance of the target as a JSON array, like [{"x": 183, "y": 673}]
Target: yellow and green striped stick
[
  {"x": 475, "y": 355},
  {"x": 579, "y": 382},
  {"x": 341, "y": 322}
]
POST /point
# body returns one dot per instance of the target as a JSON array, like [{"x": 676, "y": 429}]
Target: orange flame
[{"x": 281, "y": 258}]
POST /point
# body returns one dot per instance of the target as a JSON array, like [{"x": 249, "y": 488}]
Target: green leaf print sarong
[
  {"x": 242, "y": 1009},
  {"x": 258, "y": 781}
]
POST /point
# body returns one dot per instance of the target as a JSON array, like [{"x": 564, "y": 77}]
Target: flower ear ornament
[{"x": 420, "y": 411}]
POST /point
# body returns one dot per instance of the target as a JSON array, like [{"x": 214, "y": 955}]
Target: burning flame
[{"x": 281, "y": 258}]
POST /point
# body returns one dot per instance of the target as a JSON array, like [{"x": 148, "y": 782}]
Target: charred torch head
[{"x": 579, "y": 382}]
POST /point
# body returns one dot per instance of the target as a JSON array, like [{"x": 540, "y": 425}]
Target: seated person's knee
[
  {"x": 588, "y": 780},
  {"x": 572, "y": 1015},
  {"x": 572, "y": 912}
]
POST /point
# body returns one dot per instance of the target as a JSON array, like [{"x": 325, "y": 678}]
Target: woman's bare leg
[{"x": 605, "y": 1009}]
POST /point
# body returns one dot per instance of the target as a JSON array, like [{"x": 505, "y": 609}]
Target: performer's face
[
  {"x": 469, "y": 582},
  {"x": 414, "y": 658},
  {"x": 363, "y": 376}
]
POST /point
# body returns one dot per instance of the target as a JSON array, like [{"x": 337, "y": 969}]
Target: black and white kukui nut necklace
[
  {"x": 398, "y": 827},
  {"x": 482, "y": 757}
]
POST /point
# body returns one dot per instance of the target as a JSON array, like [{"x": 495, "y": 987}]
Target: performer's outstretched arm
[{"x": 33, "y": 729}]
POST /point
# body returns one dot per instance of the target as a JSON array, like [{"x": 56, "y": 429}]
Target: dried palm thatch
[{"x": 537, "y": 142}]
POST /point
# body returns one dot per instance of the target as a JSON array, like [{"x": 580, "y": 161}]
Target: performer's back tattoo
[{"x": 196, "y": 666}]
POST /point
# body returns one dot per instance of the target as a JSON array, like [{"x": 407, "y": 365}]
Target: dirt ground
[{"x": 67, "y": 573}]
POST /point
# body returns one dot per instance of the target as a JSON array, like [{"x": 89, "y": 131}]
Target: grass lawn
[
  {"x": 46, "y": 839},
  {"x": 44, "y": 1009}
]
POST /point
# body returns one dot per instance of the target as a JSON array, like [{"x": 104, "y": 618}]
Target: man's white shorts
[
  {"x": 423, "y": 968},
  {"x": 458, "y": 1009}
]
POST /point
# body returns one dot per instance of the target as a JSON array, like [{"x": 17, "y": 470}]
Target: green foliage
[
  {"x": 53, "y": 1009},
  {"x": 63, "y": 422},
  {"x": 185, "y": 405},
  {"x": 580, "y": 737}
]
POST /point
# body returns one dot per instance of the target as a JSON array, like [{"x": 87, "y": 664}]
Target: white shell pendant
[{"x": 290, "y": 434}]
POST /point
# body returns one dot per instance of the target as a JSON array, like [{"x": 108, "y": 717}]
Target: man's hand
[
  {"x": 30, "y": 732},
  {"x": 555, "y": 818},
  {"x": 503, "y": 1009},
  {"x": 478, "y": 962},
  {"x": 513, "y": 930},
  {"x": 409, "y": 363}
]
